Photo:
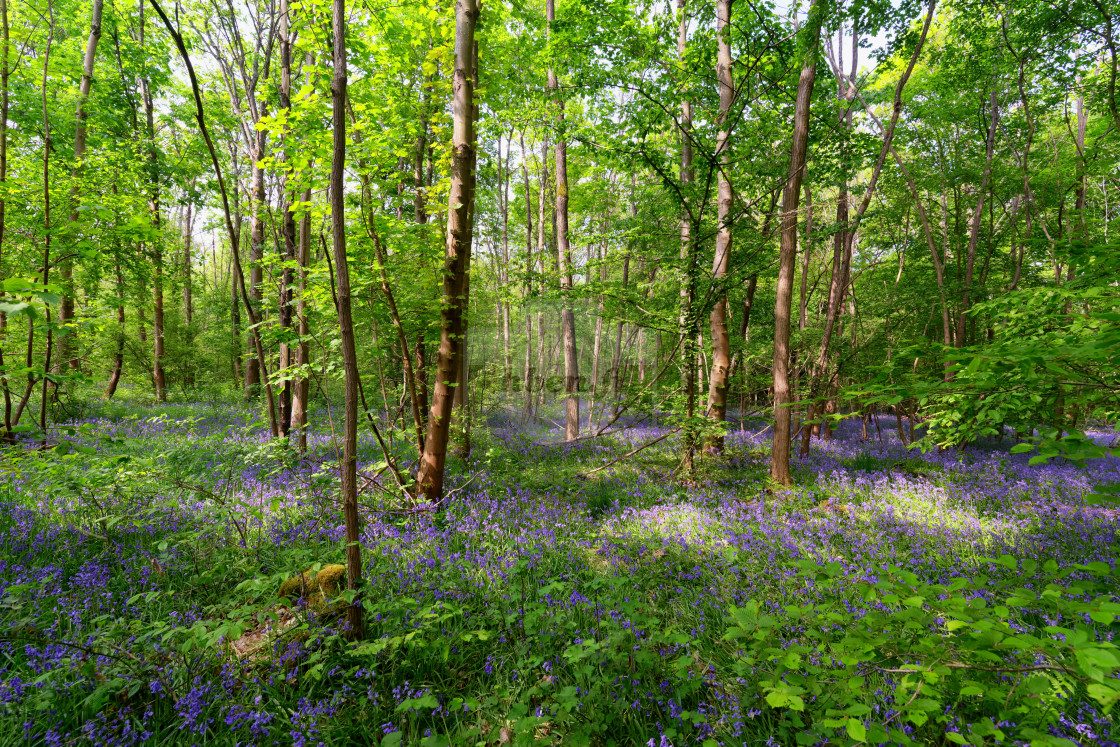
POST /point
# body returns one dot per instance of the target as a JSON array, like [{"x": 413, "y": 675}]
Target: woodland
[{"x": 576, "y": 372}]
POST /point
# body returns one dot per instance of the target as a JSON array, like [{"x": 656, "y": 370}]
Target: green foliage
[{"x": 944, "y": 660}]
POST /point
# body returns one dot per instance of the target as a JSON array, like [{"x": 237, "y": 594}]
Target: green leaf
[{"x": 856, "y": 730}]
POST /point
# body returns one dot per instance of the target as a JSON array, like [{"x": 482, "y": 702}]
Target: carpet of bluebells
[{"x": 141, "y": 555}]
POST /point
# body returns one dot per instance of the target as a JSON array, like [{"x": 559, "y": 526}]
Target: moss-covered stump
[{"x": 316, "y": 586}]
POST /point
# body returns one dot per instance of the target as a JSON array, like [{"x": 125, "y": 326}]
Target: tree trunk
[
  {"x": 564, "y": 251},
  {"x": 430, "y": 476},
  {"x": 253, "y": 373},
  {"x": 528, "y": 276},
  {"x": 66, "y": 265},
  {"x": 779, "y": 456},
  {"x": 301, "y": 388},
  {"x": 235, "y": 329},
  {"x": 721, "y": 262},
  {"x": 46, "y": 266},
  {"x": 616, "y": 363},
  {"x": 841, "y": 263},
  {"x": 974, "y": 233},
  {"x": 159, "y": 378},
  {"x": 5, "y": 73},
  {"x": 287, "y": 230},
  {"x": 597, "y": 348},
  {"x": 503, "y": 274},
  {"x": 349, "y": 464},
  {"x": 686, "y": 316},
  {"x": 118, "y": 356},
  {"x": 542, "y": 251},
  {"x": 188, "y": 290}
]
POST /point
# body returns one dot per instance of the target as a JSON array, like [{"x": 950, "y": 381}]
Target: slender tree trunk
[
  {"x": 349, "y": 464},
  {"x": 1028, "y": 198},
  {"x": 542, "y": 252},
  {"x": 235, "y": 328},
  {"x": 290, "y": 251},
  {"x": 841, "y": 264},
  {"x": 616, "y": 363},
  {"x": 188, "y": 290},
  {"x": 5, "y": 73},
  {"x": 420, "y": 186},
  {"x": 66, "y": 265},
  {"x": 597, "y": 348},
  {"x": 159, "y": 378},
  {"x": 46, "y": 268},
  {"x": 429, "y": 479},
  {"x": 253, "y": 375},
  {"x": 686, "y": 314},
  {"x": 721, "y": 262},
  {"x": 564, "y": 251},
  {"x": 301, "y": 388},
  {"x": 503, "y": 274},
  {"x": 118, "y": 356},
  {"x": 528, "y": 276},
  {"x": 402, "y": 341},
  {"x": 977, "y": 214},
  {"x": 155, "y": 247},
  {"x": 779, "y": 457},
  {"x": 420, "y": 213}
]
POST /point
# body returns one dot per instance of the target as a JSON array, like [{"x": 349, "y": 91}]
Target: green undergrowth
[{"x": 548, "y": 606}]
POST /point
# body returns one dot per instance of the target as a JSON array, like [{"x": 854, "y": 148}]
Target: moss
[
  {"x": 315, "y": 586},
  {"x": 331, "y": 579},
  {"x": 296, "y": 586}
]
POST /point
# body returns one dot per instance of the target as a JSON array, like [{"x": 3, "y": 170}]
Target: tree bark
[
  {"x": 46, "y": 268},
  {"x": 456, "y": 266},
  {"x": 188, "y": 290},
  {"x": 287, "y": 231},
  {"x": 5, "y": 74},
  {"x": 721, "y": 262},
  {"x": 66, "y": 266},
  {"x": 349, "y": 464},
  {"x": 597, "y": 347},
  {"x": 253, "y": 372},
  {"x": 159, "y": 378},
  {"x": 779, "y": 456},
  {"x": 528, "y": 276},
  {"x": 118, "y": 356},
  {"x": 686, "y": 314},
  {"x": 564, "y": 251},
  {"x": 301, "y": 389}
]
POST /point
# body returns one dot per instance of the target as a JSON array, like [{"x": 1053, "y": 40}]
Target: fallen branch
[{"x": 632, "y": 453}]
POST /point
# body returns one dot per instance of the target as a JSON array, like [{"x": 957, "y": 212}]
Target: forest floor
[{"x": 140, "y": 561}]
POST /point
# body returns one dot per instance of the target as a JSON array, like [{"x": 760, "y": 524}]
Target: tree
[
  {"x": 349, "y": 466},
  {"x": 791, "y": 196},
  {"x": 564, "y": 250},
  {"x": 456, "y": 265}
]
